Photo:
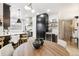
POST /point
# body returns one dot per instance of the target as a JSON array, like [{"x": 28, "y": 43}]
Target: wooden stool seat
[{"x": 23, "y": 40}]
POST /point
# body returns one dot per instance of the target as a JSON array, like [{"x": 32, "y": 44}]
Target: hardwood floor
[
  {"x": 48, "y": 49},
  {"x": 72, "y": 49}
]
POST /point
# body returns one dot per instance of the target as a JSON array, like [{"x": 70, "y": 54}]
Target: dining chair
[
  {"x": 23, "y": 38},
  {"x": 7, "y": 50}
]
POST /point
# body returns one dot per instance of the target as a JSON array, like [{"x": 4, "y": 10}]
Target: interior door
[
  {"x": 6, "y": 16},
  {"x": 65, "y": 30},
  {"x": 68, "y": 30}
]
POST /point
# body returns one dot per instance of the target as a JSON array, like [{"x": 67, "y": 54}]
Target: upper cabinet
[{"x": 6, "y": 16}]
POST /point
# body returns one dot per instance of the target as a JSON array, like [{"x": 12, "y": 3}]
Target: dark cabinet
[
  {"x": 51, "y": 37},
  {"x": 54, "y": 38},
  {"x": 6, "y": 40},
  {"x": 41, "y": 25},
  {"x": 6, "y": 16}
]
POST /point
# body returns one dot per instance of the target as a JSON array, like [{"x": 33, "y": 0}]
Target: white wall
[
  {"x": 69, "y": 11},
  {"x": 34, "y": 26}
]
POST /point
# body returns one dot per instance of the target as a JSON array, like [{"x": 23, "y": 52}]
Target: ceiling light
[
  {"x": 48, "y": 10},
  {"x": 33, "y": 11},
  {"x": 41, "y": 15},
  {"x": 38, "y": 13},
  {"x": 27, "y": 8},
  {"x": 19, "y": 14}
]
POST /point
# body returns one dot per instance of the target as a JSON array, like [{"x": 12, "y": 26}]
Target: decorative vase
[
  {"x": 38, "y": 43},
  {"x": 42, "y": 41}
]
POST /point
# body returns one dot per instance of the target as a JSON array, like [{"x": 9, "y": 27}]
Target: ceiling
[{"x": 55, "y": 8}]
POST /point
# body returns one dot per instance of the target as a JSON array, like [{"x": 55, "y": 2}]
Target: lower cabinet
[
  {"x": 51, "y": 37},
  {"x": 6, "y": 40},
  {"x": 54, "y": 38}
]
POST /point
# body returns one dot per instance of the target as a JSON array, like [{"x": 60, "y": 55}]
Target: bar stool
[
  {"x": 1, "y": 41},
  {"x": 23, "y": 38}
]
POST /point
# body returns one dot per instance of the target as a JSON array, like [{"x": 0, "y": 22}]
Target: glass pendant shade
[
  {"x": 19, "y": 20},
  {"x": 27, "y": 8}
]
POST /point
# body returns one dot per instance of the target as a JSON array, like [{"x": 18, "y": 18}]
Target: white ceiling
[{"x": 42, "y": 7}]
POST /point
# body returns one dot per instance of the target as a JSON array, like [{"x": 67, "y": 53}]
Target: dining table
[{"x": 48, "y": 49}]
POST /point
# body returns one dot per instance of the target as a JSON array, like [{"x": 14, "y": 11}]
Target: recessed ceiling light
[
  {"x": 27, "y": 8},
  {"x": 33, "y": 11},
  {"x": 48, "y": 10}
]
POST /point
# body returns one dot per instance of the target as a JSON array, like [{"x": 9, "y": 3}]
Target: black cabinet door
[
  {"x": 54, "y": 38},
  {"x": 41, "y": 25}
]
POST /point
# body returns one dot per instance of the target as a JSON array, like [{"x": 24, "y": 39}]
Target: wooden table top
[{"x": 48, "y": 49}]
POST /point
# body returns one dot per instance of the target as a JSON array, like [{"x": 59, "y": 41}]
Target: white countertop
[
  {"x": 51, "y": 33},
  {"x": 11, "y": 34}
]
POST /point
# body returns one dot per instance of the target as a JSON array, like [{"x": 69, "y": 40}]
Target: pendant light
[
  {"x": 18, "y": 21},
  {"x": 30, "y": 8}
]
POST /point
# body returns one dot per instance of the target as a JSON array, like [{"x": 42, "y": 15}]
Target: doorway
[{"x": 65, "y": 30}]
